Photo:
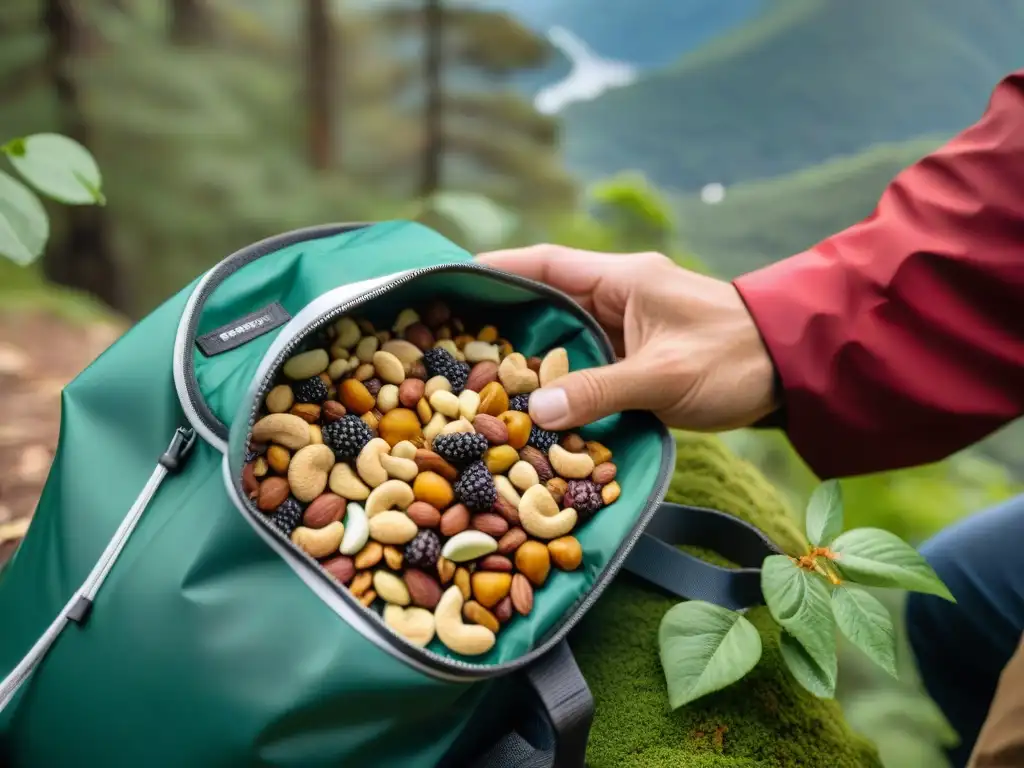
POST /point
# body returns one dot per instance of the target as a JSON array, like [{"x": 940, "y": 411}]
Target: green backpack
[{"x": 188, "y": 632}]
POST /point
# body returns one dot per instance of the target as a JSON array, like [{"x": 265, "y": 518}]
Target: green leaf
[
  {"x": 705, "y": 648},
  {"x": 866, "y": 622},
  {"x": 825, "y": 514},
  {"x": 878, "y": 558},
  {"x": 798, "y": 600},
  {"x": 58, "y": 167},
  {"x": 24, "y": 226},
  {"x": 816, "y": 679}
]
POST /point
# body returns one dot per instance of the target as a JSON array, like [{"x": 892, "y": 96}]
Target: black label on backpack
[{"x": 243, "y": 330}]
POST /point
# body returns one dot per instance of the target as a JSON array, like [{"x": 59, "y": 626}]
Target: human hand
[{"x": 688, "y": 348}]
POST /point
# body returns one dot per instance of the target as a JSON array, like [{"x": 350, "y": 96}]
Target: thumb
[{"x": 590, "y": 394}]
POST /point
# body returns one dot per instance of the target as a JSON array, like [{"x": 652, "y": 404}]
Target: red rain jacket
[{"x": 900, "y": 340}]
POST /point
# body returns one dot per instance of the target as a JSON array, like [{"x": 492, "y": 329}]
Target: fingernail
[{"x": 549, "y": 406}]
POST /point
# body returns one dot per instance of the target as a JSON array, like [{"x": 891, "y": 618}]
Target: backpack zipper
[{"x": 368, "y": 622}]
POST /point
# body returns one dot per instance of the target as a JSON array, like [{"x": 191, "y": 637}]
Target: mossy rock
[{"x": 764, "y": 720}]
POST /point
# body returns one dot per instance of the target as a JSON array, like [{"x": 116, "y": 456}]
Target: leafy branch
[
  {"x": 705, "y": 647},
  {"x": 57, "y": 167}
]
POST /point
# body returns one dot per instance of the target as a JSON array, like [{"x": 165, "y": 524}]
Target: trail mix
[{"x": 406, "y": 463}]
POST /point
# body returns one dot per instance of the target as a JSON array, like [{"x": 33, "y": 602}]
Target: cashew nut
[
  {"x": 523, "y": 475},
  {"x": 347, "y": 333},
  {"x": 390, "y": 588},
  {"x": 414, "y": 624},
  {"x": 435, "y": 384},
  {"x": 574, "y": 466},
  {"x": 282, "y": 428},
  {"x": 433, "y": 427},
  {"x": 346, "y": 484},
  {"x": 357, "y": 530},
  {"x": 392, "y": 527},
  {"x": 516, "y": 376},
  {"x": 540, "y": 517},
  {"x": 404, "y": 450},
  {"x": 319, "y": 542},
  {"x": 308, "y": 470},
  {"x": 449, "y": 346},
  {"x": 341, "y": 366},
  {"x": 446, "y": 403},
  {"x": 388, "y": 367},
  {"x": 554, "y": 365},
  {"x": 398, "y": 468},
  {"x": 459, "y": 425},
  {"x": 468, "y": 545},
  {"x": 366, "y": 347},
  {"x": 464, "y": 639},
  {"x": 405, "y": 318},
  {"x": 469, "y": 404},
  {"x": 478, "y": 351},
  {"x": 507, "y": 491},
  {"x": 404, "y": 350},
  {"x": 368, "y": 462},
  {"x": 306, "y": 364},
  {"x": 387, "y": 398},
  {"x": 390, "y": 494}
]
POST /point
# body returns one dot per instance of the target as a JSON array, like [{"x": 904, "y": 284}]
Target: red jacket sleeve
[{"x": 901, "y": 339}]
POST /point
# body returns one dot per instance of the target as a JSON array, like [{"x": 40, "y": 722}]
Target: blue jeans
[{"x": 962, "y": 648}]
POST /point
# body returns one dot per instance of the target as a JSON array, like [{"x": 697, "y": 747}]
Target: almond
[
  {"x": 341, "y": 568},
  {"x": 428, "y": 461},
  {"x": 420, "y": 335},
  {"x": 423, "y": 514},
  {"x": 324, "y": 510},
  {"x": 603, "y": 473},
  {"x": 492, "y": 428},
  {"x": 503, "y": 610},
  {"x": 424, "y": 590},
  {"x": 332, "y": 410},
  {"x": 539, "y": 461},
  {"x": 455, "y": 520},
  {"x": 481, "y": 375},
  {"x": 495, "y": 563},
  {"x": 418, "y": 371},
  {"x": 507, "y": 510},
  {"x": 273, "y": 491},
  {"x": 511, "y": 541},
  {"x": 521, "y": 594},
  {"x": 476, "y": 613},
  {"x": 410, "y": 392},
  {"x": 250, "y": 483},
  {"x": 490, "y": 523}
]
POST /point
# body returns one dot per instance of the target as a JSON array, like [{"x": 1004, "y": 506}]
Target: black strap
[
  {"x": 554, "y": 733},
  {"x": 655, "y": 556}
]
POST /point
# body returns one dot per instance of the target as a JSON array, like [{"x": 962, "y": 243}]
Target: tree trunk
[
  {"x": 84, "y": 258},
  {"x": 190, "y": 22},
  {"x": 320, "y": 85},
  {"x": 433, "y": 117}
]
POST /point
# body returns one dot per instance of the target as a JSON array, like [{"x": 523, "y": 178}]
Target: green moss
[{"x": 765, "y": 720}]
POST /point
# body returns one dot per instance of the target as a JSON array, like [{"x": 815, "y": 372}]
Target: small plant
[
  {"x": 705, "y": 647},
  {"x": 58, "y": 168}
]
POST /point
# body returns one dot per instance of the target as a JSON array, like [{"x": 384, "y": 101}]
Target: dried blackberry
[
  {"x": 542, "y": 439},
  {"x": 584, "y": 496},
  {"x": 519, "y": 403},
  {"x": 460, "y": 447},
  {"x": 310, "y": 391},
  {"x": 287, "y": 516},
  {"x": 423, "y": 550},
  {"x": 439, "y": 362},
  {"x": 347, "y": 436},
  {"x": 475, "y": 487}
]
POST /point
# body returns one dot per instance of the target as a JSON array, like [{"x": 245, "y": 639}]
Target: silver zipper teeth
[{"x": 478, "y": 671}]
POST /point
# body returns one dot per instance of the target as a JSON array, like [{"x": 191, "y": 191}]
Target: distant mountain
[
  {"x": 759, "y": 222},
  {"x": 803, "y": 82}
]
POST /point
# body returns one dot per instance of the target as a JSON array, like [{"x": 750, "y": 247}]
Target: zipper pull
[{"x": 178, "y": 451}]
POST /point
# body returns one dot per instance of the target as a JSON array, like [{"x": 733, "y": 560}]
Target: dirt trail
[{"x": 39, "y": 354}]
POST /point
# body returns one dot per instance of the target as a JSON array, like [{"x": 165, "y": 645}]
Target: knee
[{"x": 930, "y": 618}]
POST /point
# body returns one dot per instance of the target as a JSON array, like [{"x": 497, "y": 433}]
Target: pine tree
[{"x": 321, "y": 84}]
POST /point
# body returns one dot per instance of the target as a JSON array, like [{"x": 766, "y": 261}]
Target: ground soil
[{"x": 39, "y": 354}]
